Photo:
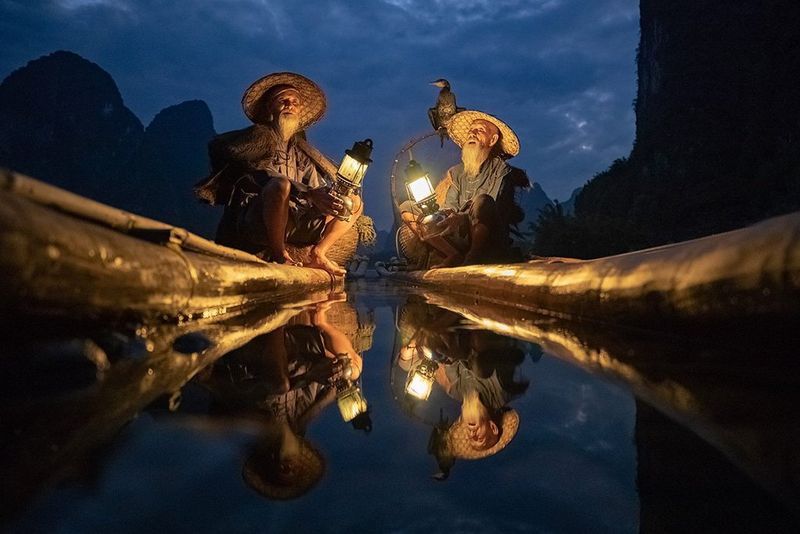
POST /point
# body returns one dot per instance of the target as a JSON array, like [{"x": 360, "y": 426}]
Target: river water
[{"x": 236, "y": 426}]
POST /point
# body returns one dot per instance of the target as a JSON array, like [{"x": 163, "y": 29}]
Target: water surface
[{"x": 138, "y": 429}]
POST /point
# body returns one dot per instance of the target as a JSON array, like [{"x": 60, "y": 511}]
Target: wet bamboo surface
[
  {"x": 739, "y": 397},
  {"x": 46, "y": 434},
  {"x": 743, "y": 275},
  {"x": 63, "y": 254}
]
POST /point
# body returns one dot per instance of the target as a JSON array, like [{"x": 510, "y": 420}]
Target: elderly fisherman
[
  {"x": 479, "y": 206},
  {"x": 271, "y": 179}
]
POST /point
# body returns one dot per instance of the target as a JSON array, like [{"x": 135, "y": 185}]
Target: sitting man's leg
[
  {"x": 334, "y": 229},
  {"x": 274, "y": 200},
  {"x": 484, "y": 232}
]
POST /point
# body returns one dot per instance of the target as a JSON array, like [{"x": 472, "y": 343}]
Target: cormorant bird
[
  {"x": 445, "y": 108},
  {"x": 439, "y": 447}
]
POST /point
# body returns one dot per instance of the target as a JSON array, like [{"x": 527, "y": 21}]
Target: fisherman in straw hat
[
  {"x": 271, "y": 180},
  {"x": 480, "y": 204}
]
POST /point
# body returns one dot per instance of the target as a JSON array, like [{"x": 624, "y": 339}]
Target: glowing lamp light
[
  {"x": 355, "y": 163},
  {"x": 420, "y": 190},
  {"x": 351, "y": 173},
  {"x": 420, "y": 379},
  {"x": 350, "y": 400}
]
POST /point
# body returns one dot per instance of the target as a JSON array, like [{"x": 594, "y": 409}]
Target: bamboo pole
[
  {"x": 735, "y": 276},
  {"x": 64, "y": 254}
]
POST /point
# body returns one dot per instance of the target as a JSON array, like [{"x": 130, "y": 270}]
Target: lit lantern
[
  {"x": 420, "y": 190},
  {"x": 351, "y": 173},
  {"x": 350, "y": 399},
  {"x": 421, "y": 378}
]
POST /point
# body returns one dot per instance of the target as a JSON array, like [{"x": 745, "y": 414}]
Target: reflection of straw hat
[
  {"x": 458, "y": 129},
  {"x": 262, "y": 473},
  {"x": 255, "y": 101},
  {"x": 459, "y": 438}
]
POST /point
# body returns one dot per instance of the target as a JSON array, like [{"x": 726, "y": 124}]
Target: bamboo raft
[
  {"x": 728, "y": 279},
  {"x": 66, "y": 254}
]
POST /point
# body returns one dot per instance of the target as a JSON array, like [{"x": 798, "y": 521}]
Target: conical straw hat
[
  {"x": 255, "y": 105},
  {"x": 458, "y": 129}
]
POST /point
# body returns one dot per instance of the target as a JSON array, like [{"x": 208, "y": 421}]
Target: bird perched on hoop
[{"x": 444, "y": 109}]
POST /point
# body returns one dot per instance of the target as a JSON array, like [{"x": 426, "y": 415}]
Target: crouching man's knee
[
  {"x": 277, "y": 187},
  {"x": 483, "y": 209}
]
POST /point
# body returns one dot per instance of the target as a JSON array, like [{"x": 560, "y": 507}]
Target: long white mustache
[
  {"x": 473, "y": 156},
  {"x": 288, "y": 125}
]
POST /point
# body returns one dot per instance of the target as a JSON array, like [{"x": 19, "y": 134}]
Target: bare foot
[
  {"x": 289, "y": 260},
  {"x": 318, "y": 260}
]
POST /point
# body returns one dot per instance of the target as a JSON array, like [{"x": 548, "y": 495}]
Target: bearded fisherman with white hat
[{"x": 480, "y": 203}]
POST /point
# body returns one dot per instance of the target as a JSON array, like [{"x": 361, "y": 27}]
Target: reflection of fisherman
[
  {"x": 484, "y": 384},
  {"x": 477, "y": 369},
  {"x": 285, "y": 380}
]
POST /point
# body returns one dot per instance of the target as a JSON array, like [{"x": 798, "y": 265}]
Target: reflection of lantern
[
  {"x": 351, "y": 173},
  {"x": 350, "y": 399},
  {"x": 420, "y": 379}
]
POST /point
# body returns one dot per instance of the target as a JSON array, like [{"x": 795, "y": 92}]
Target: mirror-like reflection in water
[{"x": 387, "y": 409}]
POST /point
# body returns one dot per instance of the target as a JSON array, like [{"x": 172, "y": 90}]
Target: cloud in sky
[{"x": 560, "y": 72}]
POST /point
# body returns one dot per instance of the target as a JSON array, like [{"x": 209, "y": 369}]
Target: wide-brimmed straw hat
[
  {"x": 460, "y": 443},
  {"x": 265, "y": 479},
  {"x": 255, "y": 101},
  {"x": 458, "y": 129}
]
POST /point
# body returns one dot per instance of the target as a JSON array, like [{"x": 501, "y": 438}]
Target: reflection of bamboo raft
[
  {"x": 55, "y": 433},
  {"x": 736, "y": 276},
  {"x": 690, "y": 380},
  {"x": 62, "y": 253}
]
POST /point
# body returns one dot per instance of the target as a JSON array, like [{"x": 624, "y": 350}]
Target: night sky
[{"x": 561, "y": 73}]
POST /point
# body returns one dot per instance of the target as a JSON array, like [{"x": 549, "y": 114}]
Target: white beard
[
  {"x": 287, "y": 126},
  {"x": 473, "y": 157}
]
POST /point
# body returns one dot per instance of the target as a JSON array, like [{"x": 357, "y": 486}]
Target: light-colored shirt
[{"x": 489, "y": 180}]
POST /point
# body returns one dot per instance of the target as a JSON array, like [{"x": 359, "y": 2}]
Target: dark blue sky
[{"x": 560, "y": 72}]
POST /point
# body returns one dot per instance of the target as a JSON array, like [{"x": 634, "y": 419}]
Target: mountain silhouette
[
  {"x": 717, "y": 121},
  {"x": 63, "y": 120},
  {"x": 170, "y": 159}
]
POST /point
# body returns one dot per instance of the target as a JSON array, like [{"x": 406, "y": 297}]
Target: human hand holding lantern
[
  {"x": 327, "y": 201},
  {"x": 350, "y": 175}
]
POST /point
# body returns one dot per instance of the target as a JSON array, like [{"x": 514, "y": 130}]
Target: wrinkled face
[
  {"x": 482, "y": 433},
  {"x": 287, "y": 102},
  {"x": 483, "y": 134},
  {"x": 285, "y": 108}
]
